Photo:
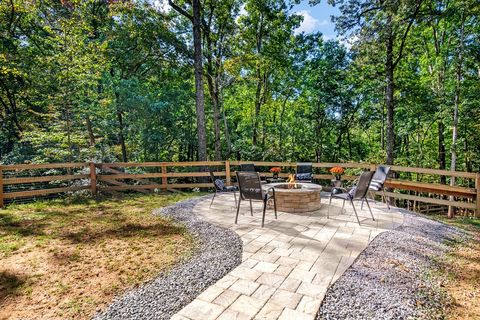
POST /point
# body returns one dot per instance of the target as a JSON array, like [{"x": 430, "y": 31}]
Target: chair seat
[
  {"x": 344, "y": 196},
  {"x": 303, "y": 176}
]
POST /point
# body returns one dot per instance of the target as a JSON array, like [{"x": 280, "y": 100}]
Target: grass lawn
[
  {"x": 462, "y": 267},
  {"x": 69, "y": 258}
]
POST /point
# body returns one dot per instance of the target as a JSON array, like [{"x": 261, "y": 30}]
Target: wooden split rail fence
[{"x": 24, "y": 181}]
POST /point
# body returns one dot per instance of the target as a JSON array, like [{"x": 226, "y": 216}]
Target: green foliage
[{"x": 110, "y": 80}]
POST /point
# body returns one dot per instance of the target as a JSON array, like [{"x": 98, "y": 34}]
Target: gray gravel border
[
  {"x": 220, "y": 250},
  {"x": 395, "y": 277}
]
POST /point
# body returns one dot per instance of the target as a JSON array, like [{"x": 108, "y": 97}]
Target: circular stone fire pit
[{"x": 303, "y": 197}]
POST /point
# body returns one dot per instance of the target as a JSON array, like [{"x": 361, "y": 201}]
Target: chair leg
[
  {"x": 329, "y": 205},
  {"x": 264, "y": 211},
  {"x": 385, "y": 199},
  {"x": 361, "y": 207},
  {"x": 343, "y": 206},
  {"x": 235, "y": 197},
  {"x": 275, "y": 207},
  {"x": 355, "y": 210},
  {"x": 370, "y": 209},
  {"x": 211, "y": 202},
  {"x": 238, "y": 209},
  {"x": 251, "y": 208}
]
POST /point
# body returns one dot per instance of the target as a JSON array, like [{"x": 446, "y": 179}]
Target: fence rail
[{"x": 420, "y": 185}]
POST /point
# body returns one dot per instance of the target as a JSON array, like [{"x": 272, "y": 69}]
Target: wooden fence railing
[{"x": 38, "y": 180}]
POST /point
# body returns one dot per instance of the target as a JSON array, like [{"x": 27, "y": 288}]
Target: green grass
[
  {"x": 467, "y": 223},
  {"x": 67, "y": 257}
]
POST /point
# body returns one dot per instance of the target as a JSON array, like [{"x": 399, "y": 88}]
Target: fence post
[
  {"x": 1, "y": 188},
  {"x": 477, "y": 186},
  {"x": 164, "y": 178},
  {"x": 227, "y": 173},
  {"x": 93, "y": 179}
]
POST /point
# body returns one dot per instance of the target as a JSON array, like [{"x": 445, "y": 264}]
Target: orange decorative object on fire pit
[{"x": 276, "y": 170}]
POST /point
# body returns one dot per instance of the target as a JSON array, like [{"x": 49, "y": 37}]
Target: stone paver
[{"x": 289, "y": 264}]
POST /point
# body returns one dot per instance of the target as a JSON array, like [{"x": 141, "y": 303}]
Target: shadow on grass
[
  {"x": 11, "y": 224},
  {"x": 9, "y": 284},
  {"x": 87, "y": 235},
  {"x": 87, "y": 224}
]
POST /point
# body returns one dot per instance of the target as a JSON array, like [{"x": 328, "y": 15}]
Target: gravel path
[
  {"x": 394, "y": 278},
  {"x": 220, "y": 251}
]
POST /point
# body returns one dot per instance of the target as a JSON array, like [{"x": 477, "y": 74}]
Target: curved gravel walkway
[
  {"x": 220, "y": 251},
  {"x": 394, "y": 278}
]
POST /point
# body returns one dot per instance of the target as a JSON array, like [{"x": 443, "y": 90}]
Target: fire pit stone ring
[{"x": 296, "y": 197}]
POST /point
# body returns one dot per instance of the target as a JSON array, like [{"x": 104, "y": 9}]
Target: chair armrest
[{"x": 268, "y": 190}]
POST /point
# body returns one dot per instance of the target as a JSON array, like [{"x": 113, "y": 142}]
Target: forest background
[{"x": 105, "y": 81}]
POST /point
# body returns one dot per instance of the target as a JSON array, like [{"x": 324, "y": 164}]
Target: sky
[{"x": 317, "y": 18}]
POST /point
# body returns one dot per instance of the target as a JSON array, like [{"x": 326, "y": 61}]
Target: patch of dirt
[
  {"x": 68, "y": 260},
  {"x": 463, "y": 284}
]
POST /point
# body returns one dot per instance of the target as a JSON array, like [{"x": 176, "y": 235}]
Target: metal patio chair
[
  {"x": 250, "y": 167},
  {"x": 220, "y": 187},
  {"x": 304, "y": 172},
  {"x": 378, "y": 182},
  {"x": 251, "y": 189},
  {"x": 357, "y": 193}
]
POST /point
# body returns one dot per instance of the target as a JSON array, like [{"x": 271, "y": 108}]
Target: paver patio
[{"x": 289, "y": 264}]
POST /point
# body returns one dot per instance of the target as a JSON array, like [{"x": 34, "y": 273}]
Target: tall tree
[
  {"x": 196, "y": 19},
  {"x": 266, "y": 30},
  {"x": 219, "y": 29},
  {"x": 386, "y": 23}
]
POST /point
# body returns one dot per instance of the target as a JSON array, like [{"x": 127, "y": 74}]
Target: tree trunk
[
  {"x": 216, "y": 126},
  {"x": 225, "y": 128},
  {"x": 458, "y": 79},
  {"x": 121, "y": 138},
  {"x": 212, "y": 81},
  {"x": 69, "y": 133},
  {"x": 260, "y": 82},
  {"x": 199, "y": 99},
  {"x": 389, "y": 102},
  {"x": 441, "y": 149},
  {"x": 382, "y": 129},
  {"x": 280, "y": 129},
  {"x": 91, "y": 136},
  {"x": 258, "y": 95}
]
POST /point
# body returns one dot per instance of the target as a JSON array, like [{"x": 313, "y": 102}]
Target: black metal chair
[
  {"x": 251, "y": 189},
  {"x": 304, "y": 172},
  {"x": 250, "y": 167},
  {"x": 219, "y": 186},
  {"x": 378, "y": 182},
  {"x": 356, "y": 193}
]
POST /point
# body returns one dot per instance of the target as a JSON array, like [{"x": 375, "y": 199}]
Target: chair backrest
[
  {"x": 250, "y": 167},
  {"x": 381, "y": 174},
  {"x": 217, "y": 183},
  {"x": 363, "y": 183},
  {"x": 249, "y": 185},
  {"x": 304, "y": 171},
  {"x": 212, "y": 175}
]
